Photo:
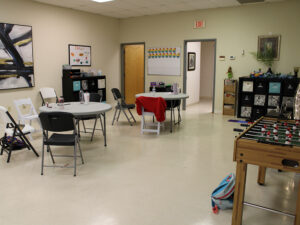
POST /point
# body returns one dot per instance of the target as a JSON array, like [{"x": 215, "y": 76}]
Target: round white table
[
  {"x": 168, "y": 96},
  {"x": 79, "y": 110},
  {"x": 164, "y": 95}
]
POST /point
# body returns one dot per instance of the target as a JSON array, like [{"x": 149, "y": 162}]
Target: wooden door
[{"x": 134, "y": 71}]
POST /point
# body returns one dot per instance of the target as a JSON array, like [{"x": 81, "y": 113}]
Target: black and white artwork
[
  {"x": 16, "y": 57},
  {"x": 288, "y": 102},
  {"x": 273, "y": 100},
  {"x": 248, "y": 86},
  {"x": 246, "y": 111},
  {"x": 259, "y": 100}
]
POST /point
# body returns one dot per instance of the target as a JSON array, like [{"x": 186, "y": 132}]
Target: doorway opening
[
  {"x": 199, "y": 72},
  {"x": 132, "y": 70}
]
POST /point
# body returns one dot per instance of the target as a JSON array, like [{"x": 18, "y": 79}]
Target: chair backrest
[
  {"x": 47, "y": 93},
  {"x": 57, "y": 121},
  {"x": 25, "y": 101},
  {"x": 8, "y": 120},
  {"x": 116, "y": 93},
  {"x": 95, "y": 97}
]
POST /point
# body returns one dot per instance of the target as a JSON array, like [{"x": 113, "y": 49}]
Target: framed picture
[
  {"x": 16, "y": 56},
  {"x": 247, "y": 86},
  {"x": 191, "y": 61},
  {"x": 273, "y": 100},
  {"x": 246, "y": 111},
  {"x": 79, "y": 55},
  {"x": 268, "y": 46},
  {"x": 259, "y": 100}
]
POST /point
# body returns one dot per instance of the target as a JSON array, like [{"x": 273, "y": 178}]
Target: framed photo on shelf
[
  {"x": 246, "y": 111},
  {"x": 268, "y": 45},
  {"x": 79, "y": 55},
  {"x": 191, "y": 61}
]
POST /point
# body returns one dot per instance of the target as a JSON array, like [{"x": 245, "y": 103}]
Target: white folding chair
[
  {"x": 28, "y": 115},
  {"x": 144, "y": 125},
  {"x": 13, "y": 130},
  {"x": 48, "y": 94}
]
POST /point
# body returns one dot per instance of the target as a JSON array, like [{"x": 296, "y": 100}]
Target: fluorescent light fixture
[{"x": 100, "y": 1}]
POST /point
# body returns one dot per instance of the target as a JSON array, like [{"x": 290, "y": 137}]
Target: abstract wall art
[{"x": 16, "y": 56}]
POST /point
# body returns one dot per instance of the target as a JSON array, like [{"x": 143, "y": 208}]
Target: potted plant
[{"x": 267, "y": 58}]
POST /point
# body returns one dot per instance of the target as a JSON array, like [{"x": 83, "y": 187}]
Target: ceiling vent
[{"x": 249, "y": 1}]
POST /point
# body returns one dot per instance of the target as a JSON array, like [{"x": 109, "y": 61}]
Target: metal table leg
[
  {"x": 171, "y": 109},
  {"x": 104, "y": 129}
]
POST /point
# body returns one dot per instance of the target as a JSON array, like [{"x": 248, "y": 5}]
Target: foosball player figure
[
  {"x": 297, "y": 122},
  {"x": 294, "y": 128},
  {"x": 275, "y": 137},
  {"x": 268, "y": 135},
  {"x": 290, "y": 136},
  {"x": 263, "y": 130},
  {"x": 275, "y": 131}
]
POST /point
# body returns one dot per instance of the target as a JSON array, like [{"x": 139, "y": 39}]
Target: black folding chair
[
  {"x": 121, "y": 106},
  {"x": 14, "y": 139},
  {"x": 94, "y": 97},
  {"x": 59, "y": 122}
]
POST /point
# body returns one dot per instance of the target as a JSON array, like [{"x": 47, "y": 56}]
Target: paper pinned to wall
[
  {"x": 101, "y": 83},
  {"x": 164, "y": 61}
]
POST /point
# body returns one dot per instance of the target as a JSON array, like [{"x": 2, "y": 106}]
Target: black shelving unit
[
  {"x": 263, "y": 96},
  {"x": 73, "y": 81}
]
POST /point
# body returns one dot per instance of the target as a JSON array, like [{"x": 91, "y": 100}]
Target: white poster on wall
[{"x": 164, "y": 61}]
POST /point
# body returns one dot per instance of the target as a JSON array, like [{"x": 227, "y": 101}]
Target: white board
[{"x": 164, "y": 61}]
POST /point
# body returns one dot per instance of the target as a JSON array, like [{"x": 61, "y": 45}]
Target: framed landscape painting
[{"x": 16, "y": 56}]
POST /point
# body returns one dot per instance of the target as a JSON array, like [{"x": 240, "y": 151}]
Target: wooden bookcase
[{"x": 229, "y": 97}]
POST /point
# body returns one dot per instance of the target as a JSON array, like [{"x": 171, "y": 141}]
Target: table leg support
[
  {"x": 171, "y": 109},
  {"x": 261, "y": 175},
  {"x": 104, "y": 130},
  {"x": 297, "y": 214},
  {"x": 237, "y": 213}
]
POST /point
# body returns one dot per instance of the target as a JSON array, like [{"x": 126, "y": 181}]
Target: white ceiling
[{"x": 134, "y": 8}]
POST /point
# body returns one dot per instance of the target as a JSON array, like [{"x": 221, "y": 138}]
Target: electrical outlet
[{"x": 24, "y": 106}]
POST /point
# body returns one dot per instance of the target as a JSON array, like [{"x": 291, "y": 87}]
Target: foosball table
[{"x": 267, "y": 143}]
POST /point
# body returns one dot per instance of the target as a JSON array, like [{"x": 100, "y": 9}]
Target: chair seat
[
  {"x": 176, "y": 103},
  {"x": 61, "y": 139},
  {"x": 88, "y": 117},
  {"x": 127, "y": 106}
]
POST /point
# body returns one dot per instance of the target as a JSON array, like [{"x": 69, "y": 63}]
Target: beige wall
[
  {"x": 234, "y": 28},
  {"x": 53, "y": 29}
]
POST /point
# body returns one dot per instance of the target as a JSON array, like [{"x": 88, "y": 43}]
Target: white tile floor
[{"x": 141, "y": 179}]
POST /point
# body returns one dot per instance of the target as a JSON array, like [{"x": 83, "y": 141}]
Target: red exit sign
[{"x": 199, "y": 24}]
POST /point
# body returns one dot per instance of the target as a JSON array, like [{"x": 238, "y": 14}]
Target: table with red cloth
[{"x": 167, "y": 96}]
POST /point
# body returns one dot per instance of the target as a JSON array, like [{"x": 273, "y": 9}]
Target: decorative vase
[{"x": 270, "y": 70}]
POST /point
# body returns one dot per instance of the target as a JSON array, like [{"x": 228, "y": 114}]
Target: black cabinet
[
  {"x": 264, "y": 96},
  {"x": 73, "y": 82}
]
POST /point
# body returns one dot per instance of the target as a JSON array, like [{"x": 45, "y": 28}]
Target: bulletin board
[
  {"x": 79, "y": 55},
  {"x": 164, "y": 61}
]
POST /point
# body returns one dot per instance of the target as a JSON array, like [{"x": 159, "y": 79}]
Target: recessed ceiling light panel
[{"x": 100, "y": 1}]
